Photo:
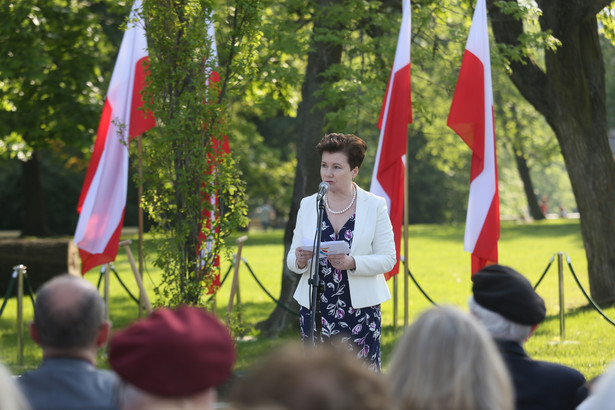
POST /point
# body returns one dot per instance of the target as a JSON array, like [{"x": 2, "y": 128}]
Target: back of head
[
  {"x": 174, "y": 353},
  {"x": 292, "y": 377},
  {"x": 446, "y": 360},
  {"x": 68, "y": 313}
]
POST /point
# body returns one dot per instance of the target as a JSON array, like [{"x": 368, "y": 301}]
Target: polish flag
[
  {"x": 103, "y": 196},
  {"x": 219, "y": 149},
  {"x": 471, "y": 117},
  {"x": 388, "y": 178}
]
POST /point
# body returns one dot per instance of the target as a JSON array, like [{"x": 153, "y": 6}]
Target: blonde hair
[{"x": 447, "y": 360}]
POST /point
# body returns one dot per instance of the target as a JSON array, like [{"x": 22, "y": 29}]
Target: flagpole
[
  {"x": 140, "y": 216},
  {"x": 395, "y": 303},
  {"x": 406, "y": 260}
]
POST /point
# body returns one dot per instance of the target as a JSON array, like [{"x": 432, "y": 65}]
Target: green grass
[{"x": 438, "y": 263}]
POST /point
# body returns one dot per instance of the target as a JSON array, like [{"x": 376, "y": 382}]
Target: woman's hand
[
  {"x": 342, "y": 262},
  {"x": 302, "y": 256}
]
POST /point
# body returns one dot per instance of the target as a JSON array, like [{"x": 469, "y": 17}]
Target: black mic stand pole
[{"x": 317, "y": 287}]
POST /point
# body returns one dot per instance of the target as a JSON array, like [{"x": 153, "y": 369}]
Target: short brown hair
[
  {"x": 294, "y": 377},
  {"x": 351, "y": 145}
]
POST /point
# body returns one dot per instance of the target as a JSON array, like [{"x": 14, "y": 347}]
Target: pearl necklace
[{"x": 354, "y": 196}]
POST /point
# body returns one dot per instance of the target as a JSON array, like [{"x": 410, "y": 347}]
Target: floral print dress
[{"x": 357, "y": 329}]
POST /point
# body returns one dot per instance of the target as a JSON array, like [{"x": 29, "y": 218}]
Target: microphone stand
[{"x": 317, "y": 288}]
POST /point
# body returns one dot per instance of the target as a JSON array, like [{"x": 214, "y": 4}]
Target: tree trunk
[
  {"x": 35, "y": 220},
  {"x": 571, "y": 95},
  {"x": 528, "y": 186},
  {"x": 310, "y": 126}
]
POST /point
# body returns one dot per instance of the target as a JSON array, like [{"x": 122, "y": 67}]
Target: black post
[{"x": 316, "y": 286}]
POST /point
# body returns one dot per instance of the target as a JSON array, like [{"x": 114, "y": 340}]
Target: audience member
[
  {"x": 506, "y": 303},
  {"x": 602, "y": 392},
  {"x": 292, "y": 377},
  {"x": 70, "y": 326},
  {"x": 265, "y": 214},
  {"x": 11, "y": 397},
  {"x": 175, "y": 358},
  {"x": 446, "y": 360}
]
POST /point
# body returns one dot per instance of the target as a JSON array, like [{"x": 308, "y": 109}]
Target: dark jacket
[{"x": 542, "y": 385}]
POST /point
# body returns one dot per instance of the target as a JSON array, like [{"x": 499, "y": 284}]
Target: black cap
[{"x": 505, "y": 291}]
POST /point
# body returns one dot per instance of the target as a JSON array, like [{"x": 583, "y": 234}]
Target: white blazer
[{"x": 373, "y": 249}]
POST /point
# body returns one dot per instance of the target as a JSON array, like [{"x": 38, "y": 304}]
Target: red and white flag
[
  {"x": 103, "y": 196},
  {"x": 471, "y": 117},
  {"x": 388, "y": 178}
]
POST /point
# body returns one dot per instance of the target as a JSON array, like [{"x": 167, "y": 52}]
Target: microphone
[{"x": 323, "y": 188}]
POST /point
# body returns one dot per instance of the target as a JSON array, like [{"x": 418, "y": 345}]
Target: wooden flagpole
[
  {"x": 405, "y": 235},
  {"x": 395, "y": 303},
  {"x": 140, "y": 218}
]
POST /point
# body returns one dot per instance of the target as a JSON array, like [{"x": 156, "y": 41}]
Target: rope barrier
[
  {"x": 221, "y": 282},
  {"x": 124, "y": 286},
  {"x": 283, "y": 306},
  {"x": 112, "y": 268},
  {"x": 288, "y": 309},
  {"x": 585, "y": 293},
  {"x": 576, "y": 279},
  {"x": 10, "y": 287},
  {"x": 545, "y": 272},
  {"x": 420, "y": 288},
  {"x": 9, "y": 290}
]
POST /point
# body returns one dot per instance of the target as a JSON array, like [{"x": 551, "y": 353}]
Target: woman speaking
[{"x": 354, "y": 284}]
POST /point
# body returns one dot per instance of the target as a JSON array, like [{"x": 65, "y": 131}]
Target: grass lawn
[{"x": 438, "y": 263}]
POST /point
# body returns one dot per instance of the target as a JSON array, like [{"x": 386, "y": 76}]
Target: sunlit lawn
[{"x": 438, "y": 263}]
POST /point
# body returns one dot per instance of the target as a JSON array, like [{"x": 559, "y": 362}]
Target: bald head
[{"x": 68, "y": 313}]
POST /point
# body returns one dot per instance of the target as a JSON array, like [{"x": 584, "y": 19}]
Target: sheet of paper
[{"x": 327, "y": 248}]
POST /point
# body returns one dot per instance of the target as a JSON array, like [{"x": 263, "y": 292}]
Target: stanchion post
[
  {"x": 143, "y": 299},
  {"x": 106, "y": 285},
  {"x": 562, "y": 310},
  {"x": 395, "y": 300},
  {"x": 20, "y": 271},
  {"x": 235, "y": 284}
]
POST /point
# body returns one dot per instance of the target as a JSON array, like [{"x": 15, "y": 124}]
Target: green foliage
[
  {"x": 53, "y": 55},
  {"x": 606, "y": 18},
  {"x": 55, "y": 60},
  {"x": 187, "y": 176},
  {"x": 533, "y": 42},
  {"x": 263, "y": 48},
  {"x": 266, "y": 170}
]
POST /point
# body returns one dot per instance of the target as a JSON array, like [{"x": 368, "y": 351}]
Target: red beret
[{"x": 173, "y": 352}]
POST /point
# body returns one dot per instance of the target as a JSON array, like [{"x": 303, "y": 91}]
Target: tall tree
[
  {"x": 568, "y": 88},
  {"x": 326, "y": 50},
  {"x": 187, "y": 176},
  {"x": 523, "y": 132},
  {"x": 52, "y": 55}
]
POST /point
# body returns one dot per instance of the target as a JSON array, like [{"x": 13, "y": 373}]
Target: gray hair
[
  {"x": 447, "y": 360},
  {"x": 497, "y": 325},
  {"x": 68, "y": 313}
]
